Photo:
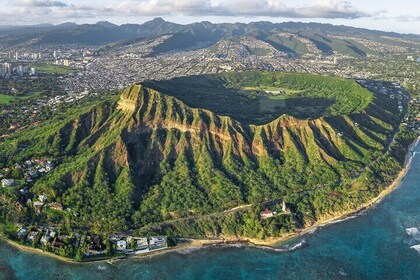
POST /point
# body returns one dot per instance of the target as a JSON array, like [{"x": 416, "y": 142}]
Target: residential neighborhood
[{"x": 83, "y": 245}]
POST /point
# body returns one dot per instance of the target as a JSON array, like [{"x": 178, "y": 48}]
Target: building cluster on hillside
[
  {"x": 396, "y": 92},
  {"x": 125, "y": 65},
  {"x": 53, "y": 238},
  {"x": 23, "y": 62},
  {"x": 8, "y": 70},
  {"x": 32, "y": 110},
  {"x": 29, "y": 170},
  {"x": 392, "y": 90}
]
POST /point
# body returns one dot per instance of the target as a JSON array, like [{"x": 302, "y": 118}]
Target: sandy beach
[
  {"x": 269, "y": 243},
  {"x": 36, "y": 250}
]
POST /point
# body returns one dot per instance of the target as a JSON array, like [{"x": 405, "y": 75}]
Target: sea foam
[
  {"x": 413, "y": 232},
  {"x": 416, "y": 247}
]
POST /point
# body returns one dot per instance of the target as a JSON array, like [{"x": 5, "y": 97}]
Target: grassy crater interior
[{"x": 261, "y": 97}]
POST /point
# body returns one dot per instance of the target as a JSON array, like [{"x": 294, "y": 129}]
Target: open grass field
[
  {"x": 49, "y": 68},
  {"x": 5, "y": 99}
]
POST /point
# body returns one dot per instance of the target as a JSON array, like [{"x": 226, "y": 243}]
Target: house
[
  {"x": 49, "y": 166},
  {"x": 117, "y": 236},
  {"x": 18, "y": 206},
  {"x": 42, "y": 198},
  {"x": 141, "y": 243},
  {"x": 14, "y": 126},
  {"x": 157, "y": 243},
  {"x": 267, "y": 213},
  {"x": 33, "y": 173},
  {"x": 42, "y": 170},
  {"x": 21, "y": 232},
  {"x": 56, "y": 206},
  {"x": 32, "y": 235},
  {"x": 7, "y": 182},
  {"x": 38, "y": 205},
  {"x": 121, "y": 245},
  {"x": 24, "y": 191},
  {"x": 46, "y": 237}
]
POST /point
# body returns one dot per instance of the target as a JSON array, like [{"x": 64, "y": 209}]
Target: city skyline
[{"x": 385, "y": 15}]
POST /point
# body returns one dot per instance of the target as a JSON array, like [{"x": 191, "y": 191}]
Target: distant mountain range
[{"x": 203, "y": 34}]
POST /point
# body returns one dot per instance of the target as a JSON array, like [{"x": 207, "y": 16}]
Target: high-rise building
[
  {"x": 55, "y": 54},
  {"x": 17, "y": 56},
  {"x": 7, "y": 69},
  {"x": 22, "y": 70},
  {"x": 33, "y": 72}
]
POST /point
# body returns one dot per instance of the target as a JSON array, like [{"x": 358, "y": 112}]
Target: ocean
[{"x": 380, "y": 243}]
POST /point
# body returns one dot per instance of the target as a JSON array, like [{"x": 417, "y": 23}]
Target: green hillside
[
  {"x": 289, "y": 44},
  {"x": 328, "y": 45},
  {"x": 168, "y": 160}
]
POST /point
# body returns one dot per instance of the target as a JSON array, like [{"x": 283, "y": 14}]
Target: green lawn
[
  {"x": 5, "y": 99},
  {"x": 49, "y": 68}
]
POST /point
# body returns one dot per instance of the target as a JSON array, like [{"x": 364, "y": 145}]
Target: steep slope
[{"x": 149, "y": 157}]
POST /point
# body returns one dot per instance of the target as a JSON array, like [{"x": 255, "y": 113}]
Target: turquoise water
[{"x": 374, "y": 245}]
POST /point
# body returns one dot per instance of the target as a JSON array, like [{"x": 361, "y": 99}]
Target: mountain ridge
[{"x": 101, "y": 33}]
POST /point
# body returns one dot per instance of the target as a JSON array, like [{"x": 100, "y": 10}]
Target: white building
[
  {"x": 42, "y": 198},
  {"x": 7, "y": 182},
  {"x": 121, "y": 245}
]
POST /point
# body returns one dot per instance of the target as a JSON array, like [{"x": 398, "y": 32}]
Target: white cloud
[
  {"x": 53, "y": 11},
  {"x": 407, "y": 18},
  {"x": 40, "y": 3},
  {"x": 270, "y": 8}
]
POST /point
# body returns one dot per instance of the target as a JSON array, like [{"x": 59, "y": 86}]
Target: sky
[{"x": 401, "y": 16}]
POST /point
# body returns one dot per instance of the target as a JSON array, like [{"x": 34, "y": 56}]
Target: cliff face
[{"x": 159, "y": 158}]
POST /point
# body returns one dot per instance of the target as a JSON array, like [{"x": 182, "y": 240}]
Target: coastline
[
  {"x": 348, "y": 214},
  {"x": 30, "y": 249},
  {"x": 269, "y": 243}
]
